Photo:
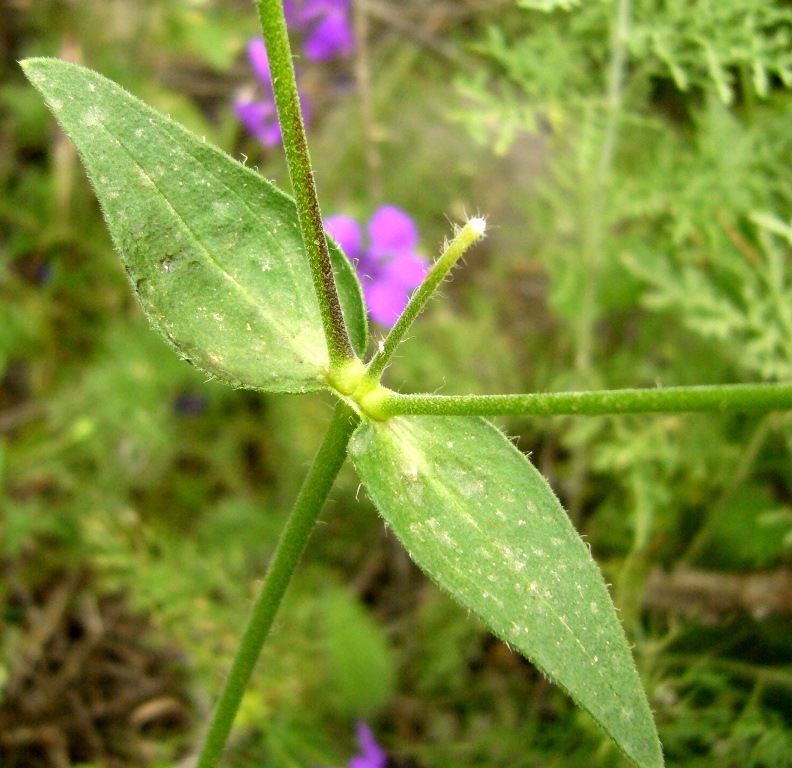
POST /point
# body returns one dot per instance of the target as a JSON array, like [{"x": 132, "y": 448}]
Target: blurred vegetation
[{"x": 634, "y": 160}]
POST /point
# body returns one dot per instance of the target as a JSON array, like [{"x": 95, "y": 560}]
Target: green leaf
[
  {"x": 362, "y": 664},
  {"x": 485, "y": 525},
  {"x": 212, "y": 249}
]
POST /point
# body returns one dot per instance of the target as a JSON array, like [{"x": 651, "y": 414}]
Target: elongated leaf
[
  {"x": 485, "y": 525},
  {"x": 212, "y": 249}
]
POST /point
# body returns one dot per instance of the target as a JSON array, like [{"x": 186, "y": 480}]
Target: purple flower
[
  {"x": 389, "y": 268},
  {"x": 259, "y": 62},
  {"x": 372, "y": 755},
  {"x": 260, "y": 118},
  {"x": 326, "y": 24},
  {"x": 259, "y": 115},
  {"x": 190, "y": 404}
]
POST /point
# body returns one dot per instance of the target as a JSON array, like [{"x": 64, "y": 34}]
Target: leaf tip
[
  {"x": 34, "y": 69},
  {"x": 28, "y": 67},
  {"x": 32, "y": 64}
]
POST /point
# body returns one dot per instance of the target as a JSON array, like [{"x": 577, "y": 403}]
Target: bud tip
[{"x": 478, "y": 225}]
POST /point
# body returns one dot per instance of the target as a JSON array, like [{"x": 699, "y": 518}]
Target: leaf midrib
[
  {"x": 255, "y": 178},
  {"x": 261, "y": 308},
  {"x": 432, "y": 478}
]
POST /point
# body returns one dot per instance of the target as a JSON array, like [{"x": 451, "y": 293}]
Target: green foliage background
[{"x": 634, "y": 159}]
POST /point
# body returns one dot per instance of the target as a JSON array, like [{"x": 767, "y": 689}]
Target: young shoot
[{"x": 362, "y": 383}]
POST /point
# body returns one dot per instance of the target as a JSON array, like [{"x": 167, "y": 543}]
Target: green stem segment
[
  {"x": 287, "y": 100},
  {"x": 313, "y": 494},
  {"x": 726, "y": 398},
  {"x": 472, "y": 231}
]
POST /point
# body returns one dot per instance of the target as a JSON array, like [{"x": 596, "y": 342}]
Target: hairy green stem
[
  {"x": 472, "y": 231},
  {"x": 313, "y": 494},
  {"x": 287, "y": 100},
  {"x": 727, "y": 397}
]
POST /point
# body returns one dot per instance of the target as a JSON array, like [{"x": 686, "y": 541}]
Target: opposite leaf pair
[{"x": 214, "y": 253}]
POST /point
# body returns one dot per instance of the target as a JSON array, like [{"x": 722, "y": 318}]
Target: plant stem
[
  {"x": 321, "y": 476},
  {"x": 727, "y": 397},
  {"x": 472, "y": 231},
  {"x": 287, "y": 100}
]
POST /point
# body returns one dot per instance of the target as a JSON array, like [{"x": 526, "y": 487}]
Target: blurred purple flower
[
  {"x": 372, "y": 755},
  {"x": 259, "y": 63},
  {"x": 326, "y": 24},
  {"x": 259, "y": 115},
  {"x": 389, "y": 268},
  {"x": 190, "y": 404},
  {"x": 259, "y": 118}
]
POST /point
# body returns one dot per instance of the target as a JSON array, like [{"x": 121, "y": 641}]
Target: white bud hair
[{"x": 478, "y": 225}]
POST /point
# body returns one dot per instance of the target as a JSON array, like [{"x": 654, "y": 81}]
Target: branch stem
[
  {"x": 287, "y": 100},
  {"x": 313, "y": 494},
  {"x": 725, "y": 398},
  {"x": 472, "y": 231}
]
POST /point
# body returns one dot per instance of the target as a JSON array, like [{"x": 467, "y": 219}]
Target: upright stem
[
  {"x": 284, "y": 85},
  {"x": 468, "y": 235},
  {"x": 728, "y": 397},
  {"x": 316, "y": 487}
]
